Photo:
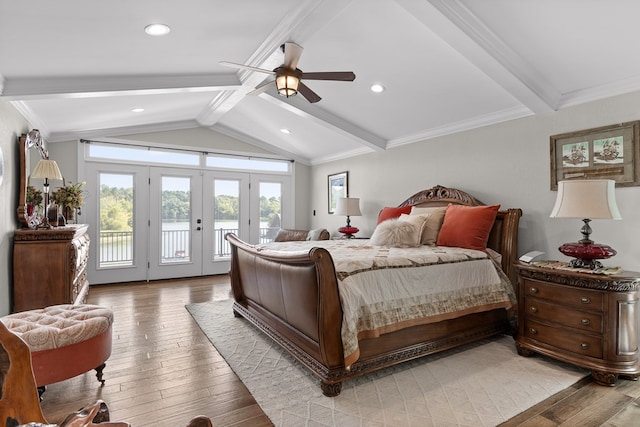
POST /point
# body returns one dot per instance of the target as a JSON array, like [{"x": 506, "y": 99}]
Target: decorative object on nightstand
[
  {"x": 587, "y": 319},
  {"x": 348, "y": 206},
  {"x": 586, "y": 199},
  {"x": 46, "y": 169}
]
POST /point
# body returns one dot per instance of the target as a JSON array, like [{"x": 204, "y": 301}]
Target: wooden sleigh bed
[{"x": 293, "y": 297}]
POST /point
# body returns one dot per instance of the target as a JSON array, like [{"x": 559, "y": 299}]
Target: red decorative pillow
[
  {"x": 390, "y": 212},
  {"x": 467, "y": 226}
]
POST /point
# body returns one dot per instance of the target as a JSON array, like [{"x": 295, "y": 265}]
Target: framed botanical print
[
  {"x": 608, "y": 152},
  {"x": 338, "y": 186}
]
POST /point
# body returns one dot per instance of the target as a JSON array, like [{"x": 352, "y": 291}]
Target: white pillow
[
  {"x": 433, "y": 223},
  {"x": 396, "y": 233}
]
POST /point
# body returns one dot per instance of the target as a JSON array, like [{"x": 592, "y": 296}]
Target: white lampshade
[
  {"x": 348, "y": 206},
  {"x": 590, "y": 198},
  {"x": 47, "y": 169}
]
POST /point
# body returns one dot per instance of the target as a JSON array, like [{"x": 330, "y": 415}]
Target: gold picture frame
[
  {"x": 607, "y": 152},
  {"x": 338, "y": 186}
]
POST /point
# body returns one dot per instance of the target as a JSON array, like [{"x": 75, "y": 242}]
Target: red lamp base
[
  {"x": 586, "y": 254},
  {"x": 348, "y": 231}
]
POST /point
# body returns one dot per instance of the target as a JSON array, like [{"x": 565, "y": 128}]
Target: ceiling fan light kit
[
  {"x": 287, "y": 81},
  {"x": 288, "y": 77}
]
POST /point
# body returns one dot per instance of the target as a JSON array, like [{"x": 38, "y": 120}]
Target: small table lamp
[
  {"x": 46, "y": 169},
  {"x": 586, "y": 199},
  {"x": 348, "y": 206}
]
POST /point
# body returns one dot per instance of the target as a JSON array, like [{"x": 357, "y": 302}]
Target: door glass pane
[
  {"x": 176, "y": 220},
  {"x": 116, "y": 220},
  {"x": 270, "y": 210},
  {"x": 226, "y": 214}
]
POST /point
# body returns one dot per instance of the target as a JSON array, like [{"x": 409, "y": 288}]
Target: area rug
[{"x": 481, "y": 384}]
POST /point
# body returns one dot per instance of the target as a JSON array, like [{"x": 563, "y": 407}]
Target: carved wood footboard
[{"x": 294, "y": 299}]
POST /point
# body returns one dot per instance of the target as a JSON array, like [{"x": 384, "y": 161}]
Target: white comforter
[{"x": 384, "y": 289}]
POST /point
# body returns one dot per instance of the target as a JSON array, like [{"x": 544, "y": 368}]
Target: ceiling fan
[{"x": 288, "y": 77}]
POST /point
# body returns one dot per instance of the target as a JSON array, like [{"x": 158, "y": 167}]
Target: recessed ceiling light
[
  {"x": 285, "y": 131},
  {"x": 157, "y": 29},
  {"x": 137, "y": 110},
  {"x": 377, "y": 88}
]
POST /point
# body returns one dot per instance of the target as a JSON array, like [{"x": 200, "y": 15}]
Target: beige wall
[
  {"x": 12, "y": 125},
  {"x": 506, "y": 163}
]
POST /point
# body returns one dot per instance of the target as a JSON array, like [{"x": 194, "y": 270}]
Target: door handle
[{"x": 198, "y": 228}]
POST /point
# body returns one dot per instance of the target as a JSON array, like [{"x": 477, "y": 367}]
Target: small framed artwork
[
  {"x": 338, "y": 187},
  {"x": 608, "y": 152}
]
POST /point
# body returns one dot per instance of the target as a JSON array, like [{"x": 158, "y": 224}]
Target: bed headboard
[{"x": 504, "y": 234}]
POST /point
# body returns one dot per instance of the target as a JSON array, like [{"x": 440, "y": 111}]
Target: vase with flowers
[
  {"x": 69, "y": 197},
  {"x": 33, "y": 200}
]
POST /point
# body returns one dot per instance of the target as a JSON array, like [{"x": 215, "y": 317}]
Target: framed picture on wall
[
  {"x": 608, "y": 152},
  {"x": 338, "y": 187}
]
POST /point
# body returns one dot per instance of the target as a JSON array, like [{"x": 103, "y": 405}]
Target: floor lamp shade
[{"x": 586, "y": 199}]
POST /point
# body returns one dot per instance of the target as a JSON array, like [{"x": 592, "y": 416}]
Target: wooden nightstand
[{"x": 589, "y": 320}]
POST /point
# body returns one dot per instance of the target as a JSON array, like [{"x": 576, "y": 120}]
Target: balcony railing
[{"x": 116, "y": 247}]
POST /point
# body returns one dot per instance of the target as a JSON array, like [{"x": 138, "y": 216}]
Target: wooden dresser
[
  {"x": 50, "y": 267},
  {"x": 589, "y": 320}
]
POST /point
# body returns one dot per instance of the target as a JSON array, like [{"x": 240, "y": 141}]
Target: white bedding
[{"x": 383, "y": 289}]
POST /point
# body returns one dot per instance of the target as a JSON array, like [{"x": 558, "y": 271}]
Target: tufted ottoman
[{"x": 65, "y": 340}]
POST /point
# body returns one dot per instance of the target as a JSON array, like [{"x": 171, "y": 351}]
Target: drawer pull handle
[
  {"x": 585, "y": 300},
  {"x": 585, "y": 322},
  {"x": 584, "y": 346},
  {"x": 533, "y": 331},
  {"x": 533, "y": 309},
  {"x": 533, "y": 290}
]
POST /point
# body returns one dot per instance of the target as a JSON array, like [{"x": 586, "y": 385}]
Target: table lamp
[
  {"x": 46, "y": 169},
  {"x": 586, "y": 199},
  {"x": 348, "y": 206}
]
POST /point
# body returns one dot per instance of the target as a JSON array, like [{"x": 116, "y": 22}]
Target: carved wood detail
[
  {"x": 442, "y": 194},
  {"x": 584, "y": 280}
]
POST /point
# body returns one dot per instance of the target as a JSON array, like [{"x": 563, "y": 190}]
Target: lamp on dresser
[
  {"x": 348, "y": 206},
  {"x": 586, "y": 199},
  {"x": 46, "y": 169}
]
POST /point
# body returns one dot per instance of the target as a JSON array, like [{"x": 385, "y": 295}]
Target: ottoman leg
[{"x": 99, "y": 370}]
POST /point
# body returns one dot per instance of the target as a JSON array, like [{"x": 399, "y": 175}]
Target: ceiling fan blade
[
  {"x": 311, "y": 96},
  {"x": 346, "y": 76},
  {"x": 245, "y": 67},
  {"x": 292, "y": 53},
  {"x": 261, "y": 88}
]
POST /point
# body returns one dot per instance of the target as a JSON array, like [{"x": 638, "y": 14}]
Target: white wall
[
  {"x": 12, "y": 125},
  {"x": 507, "y": 163}
]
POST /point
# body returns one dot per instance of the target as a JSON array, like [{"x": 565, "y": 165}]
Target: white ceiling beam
[
  {"x": 299, "y": 24},
  {"x": 96, "y": 86},
  {"x": 301, "y": 107},
  {"x": 463, "y": 31}
]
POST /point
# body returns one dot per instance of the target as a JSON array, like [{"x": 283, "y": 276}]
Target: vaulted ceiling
[{"x": 76, "y": 68}]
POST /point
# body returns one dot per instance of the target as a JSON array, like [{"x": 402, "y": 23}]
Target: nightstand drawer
[
  {"x": 574, "y": 297},
  {"x": 543, "y": 310},
  {"x": 585, "y": 345}
]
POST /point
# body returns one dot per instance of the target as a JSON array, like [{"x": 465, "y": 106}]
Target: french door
[
  {"x": 116, "y": 209},
  {"x": 163, "y": 222}
]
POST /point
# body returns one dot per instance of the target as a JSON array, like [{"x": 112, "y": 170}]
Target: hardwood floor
[{"x": 163, "y": 371}]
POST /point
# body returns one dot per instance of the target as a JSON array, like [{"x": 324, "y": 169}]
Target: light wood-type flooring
[{"x": 163, "y": 371}]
